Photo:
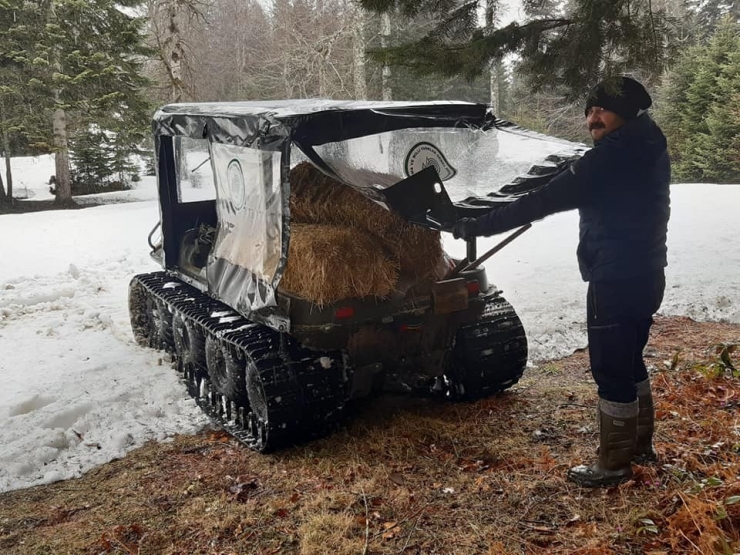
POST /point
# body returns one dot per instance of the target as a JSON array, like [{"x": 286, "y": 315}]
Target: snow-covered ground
[{"x": 78, "y": 392}]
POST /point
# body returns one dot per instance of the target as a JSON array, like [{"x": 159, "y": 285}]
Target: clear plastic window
[
  {"x": 469, "y": 161},
  {"x": 193, "y": 169},
  {"x": 250, "y": 208}
]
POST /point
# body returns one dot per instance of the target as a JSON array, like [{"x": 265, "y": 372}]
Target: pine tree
[
  {"x": 705, "y": 155},
  {"x": 128, "y": 144},
  {"x": 710, "y": 13},
  {"x": 12, "y": 81},
  {"x": 716, "y": 151},
  {"x": 408, "y": 85},
  {"x": 10, "y": 112},
  {"x": 574, "y": 46},
  {"x": 547, "y": 111},
  {"x": 92, "y": 157},
  {"x": 699, "y": 107},
  {"x": 83, "y": 59},
  {"x": 671, "y": 102}
]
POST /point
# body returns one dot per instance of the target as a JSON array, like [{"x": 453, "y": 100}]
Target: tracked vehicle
[{"x": 272, "y": 366}]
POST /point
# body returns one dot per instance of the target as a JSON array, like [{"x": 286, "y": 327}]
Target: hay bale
[
  {"x": 318, "y": 199},
  {"x": 330, "y": 263},
  {"x": 420, "y": 253}
]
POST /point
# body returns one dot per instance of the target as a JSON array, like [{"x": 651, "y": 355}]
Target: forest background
[{"x": 81, "y": 78}]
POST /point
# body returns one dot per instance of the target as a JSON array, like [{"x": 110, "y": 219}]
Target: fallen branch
[
  {"x": 408, "y": 537},
  {"x": 367, "y": 525},
  {"x": 397, "y": 524}
]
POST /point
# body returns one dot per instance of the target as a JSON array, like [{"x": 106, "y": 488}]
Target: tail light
[
  {"x": 344, "y": 312},
  {"x": 473, "y": 287}
]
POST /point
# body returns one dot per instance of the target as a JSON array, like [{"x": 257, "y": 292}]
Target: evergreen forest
[{"x": 81, "y": 78}]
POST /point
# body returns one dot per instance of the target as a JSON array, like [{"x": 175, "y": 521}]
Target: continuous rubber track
[
  {"x": 268, "y": 391},
  {"x": 490, "y": 355},
  {"x": 260, "y": 385}
]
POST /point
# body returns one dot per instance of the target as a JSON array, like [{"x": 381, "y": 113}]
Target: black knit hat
[{"x": 623, "y": 96}]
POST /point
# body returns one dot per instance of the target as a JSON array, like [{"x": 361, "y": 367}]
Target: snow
[
  {"x": 539, "y": 275},
  {"x": 78, "y": 392},
  {"x": 31, "y": 176}
]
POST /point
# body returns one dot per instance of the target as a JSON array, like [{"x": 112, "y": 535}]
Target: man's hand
[{"x": 465, "y": 228}]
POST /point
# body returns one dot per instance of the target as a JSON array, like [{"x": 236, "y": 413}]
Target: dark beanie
[{"x": 624, "y": 96}]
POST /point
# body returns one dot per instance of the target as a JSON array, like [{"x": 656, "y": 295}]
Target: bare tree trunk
[
  {"x": 61, "y": 158},
  {"x": 358, "y": 53},
  {"x": 8, "y": 174},
  {"x": 385, "y": 33},
  {"x": 167, "y": 18},
  {"x": 287, "y": 82},
  {"x": 325, "y": 56},
  {"x": 59, "y": 126},
  {"x": 495, "y": 92},
  {"x": 8, "y": 171},
  {"x": 3, "y": 196},
  {"x": 176, "y": 51},
  {"x": 494, "y": 64},
  {"x": 6, "y": 149},
  {"x": 322, "y": 75}
]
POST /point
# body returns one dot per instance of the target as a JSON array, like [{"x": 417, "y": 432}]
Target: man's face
[{"x": 601, "y": 122}]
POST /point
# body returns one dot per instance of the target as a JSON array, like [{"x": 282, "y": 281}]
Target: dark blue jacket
[{"x": 621, "y": 188}]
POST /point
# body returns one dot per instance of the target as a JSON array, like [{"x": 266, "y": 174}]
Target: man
[{"x": 621, "y": 189}]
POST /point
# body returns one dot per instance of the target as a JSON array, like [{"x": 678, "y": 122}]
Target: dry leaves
[{"x": 421, "y": 477}]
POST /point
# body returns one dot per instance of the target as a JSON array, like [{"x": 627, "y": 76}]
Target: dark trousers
[{"x": 619, "y": 317}]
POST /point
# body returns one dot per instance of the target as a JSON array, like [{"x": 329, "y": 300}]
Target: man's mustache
[{"x": 596, "y": 125}]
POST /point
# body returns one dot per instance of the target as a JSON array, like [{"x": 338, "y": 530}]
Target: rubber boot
[
  {"x": 644, "y": 451},
  {"x": 617, "y": 438}
]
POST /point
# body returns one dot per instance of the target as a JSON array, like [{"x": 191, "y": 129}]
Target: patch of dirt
[{"x": 424, "y": 477}]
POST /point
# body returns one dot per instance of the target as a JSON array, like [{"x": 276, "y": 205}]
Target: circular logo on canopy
[
  {"x": 423, "y": 155},
  {"x": 235, "y": 181}
]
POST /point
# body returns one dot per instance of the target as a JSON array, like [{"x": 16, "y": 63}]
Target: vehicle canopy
[{"x": 369, "y": 146}]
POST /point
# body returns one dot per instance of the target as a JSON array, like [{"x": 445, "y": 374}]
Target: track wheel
[
  {"x": 258, "y": 417},
  {"x": 160, "y": 324},
  {"x": 277, "y": 407},
  {"x": 225, "y": 365},
  {"x": 151, "y": 319},
  {"x": 490, "y": 355},
  {"x": 140, "y": 316},
  {"x": 189, "y": 347}
]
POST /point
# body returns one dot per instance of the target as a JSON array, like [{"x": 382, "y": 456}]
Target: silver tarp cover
[
  {"x": 248, "y": 248},
  {"x": 369, "y": 146}
]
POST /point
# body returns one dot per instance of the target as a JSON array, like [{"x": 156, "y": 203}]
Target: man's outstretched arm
[{"x": 571, "y": 188}]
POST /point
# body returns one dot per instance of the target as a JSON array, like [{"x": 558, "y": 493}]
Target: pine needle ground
[{"x": 420, "y": 476}]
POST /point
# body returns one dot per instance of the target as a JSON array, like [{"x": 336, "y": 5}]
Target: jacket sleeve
[{"x": 571, "y": 188}]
